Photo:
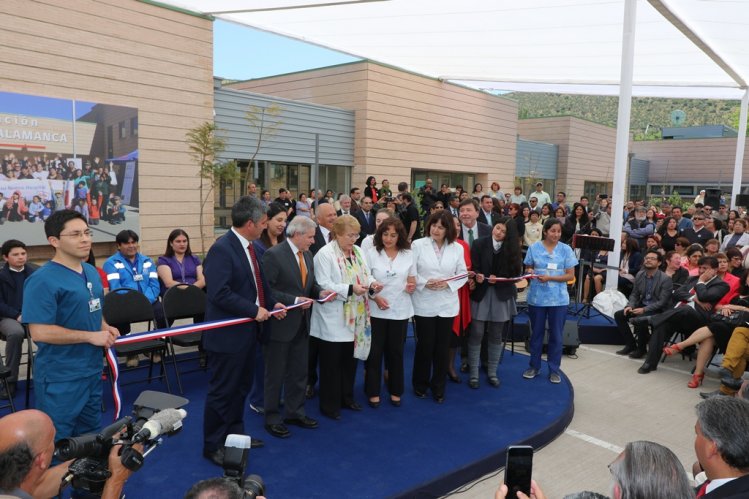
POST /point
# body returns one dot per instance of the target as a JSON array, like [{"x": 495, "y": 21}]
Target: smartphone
[{"x": 518, "y": 469}]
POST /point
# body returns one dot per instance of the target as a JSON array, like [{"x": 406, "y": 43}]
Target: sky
[{"x": 242, "y": 53}]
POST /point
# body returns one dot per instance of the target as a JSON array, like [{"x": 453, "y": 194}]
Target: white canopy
[{"x": 683, "y": 48}]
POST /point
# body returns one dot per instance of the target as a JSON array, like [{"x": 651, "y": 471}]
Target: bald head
[
  {"x": 326, "y": 215},
  {"x": 30, "y": 426}
]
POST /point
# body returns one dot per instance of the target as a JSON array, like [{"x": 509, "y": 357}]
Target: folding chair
[
  {"x": 183, "y": 301},
  {"x": 4, "y": 375},
  {"x": 129, "y": 306}
]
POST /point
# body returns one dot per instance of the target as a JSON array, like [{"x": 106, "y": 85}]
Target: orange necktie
[{"x": 302, "y": 268}]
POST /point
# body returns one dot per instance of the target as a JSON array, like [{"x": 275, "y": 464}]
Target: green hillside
[{"x": 645, "y": 110}]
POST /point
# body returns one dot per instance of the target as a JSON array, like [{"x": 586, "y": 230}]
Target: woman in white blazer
[
  {"x": 340, "y": 266},
  {"x": 435, "y": 302},
  {"x": 392, "y": 264}
]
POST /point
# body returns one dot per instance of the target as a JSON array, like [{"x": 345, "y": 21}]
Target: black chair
[
  {"x": 183, "y": 301},
  {"x": 127, "y": 306},
  {"x": 4, "y": 375},
  {"x": 29, "y": 362}
]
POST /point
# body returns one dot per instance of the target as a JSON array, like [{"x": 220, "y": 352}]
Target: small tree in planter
[{"x": 205, "y": 146}]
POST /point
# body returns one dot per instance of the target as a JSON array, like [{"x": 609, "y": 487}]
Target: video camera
[
  {"x": 236, "y": 454},
  {"x": 154, "y": 414}
]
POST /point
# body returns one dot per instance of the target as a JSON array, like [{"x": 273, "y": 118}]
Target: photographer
[{"x": 27, "y": 442}]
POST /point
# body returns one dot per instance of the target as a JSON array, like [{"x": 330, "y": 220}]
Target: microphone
[{"x": 164, "y": 421}]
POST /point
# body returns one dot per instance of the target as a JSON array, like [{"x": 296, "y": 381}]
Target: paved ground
[{"x": 613, "y": 405}]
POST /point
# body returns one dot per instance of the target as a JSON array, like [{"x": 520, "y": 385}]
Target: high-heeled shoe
[
  {"x": 671, "y": 349},
  {"x": 696, "y": 380}
]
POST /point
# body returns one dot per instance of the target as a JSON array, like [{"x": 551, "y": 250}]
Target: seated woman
[
  {"x": 630, "y": 262},
  {"x": 674, "y": 270},
  {"x": 735, "y": 261},
  {"x": 178, "y": 265},
  {"x": 596, "y": 273},
  {"x": 715, "y": 333},
  {"x": 691, "y": 259}
]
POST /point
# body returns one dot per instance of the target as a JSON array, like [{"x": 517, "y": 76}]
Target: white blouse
[
  {"x": 442, "y": 302},
  {"x": 393, "y": 275}
]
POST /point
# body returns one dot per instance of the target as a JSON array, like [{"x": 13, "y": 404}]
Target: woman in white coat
[
  {"x": 340, "y": 266},
  {"x": 435, "y": 302}
]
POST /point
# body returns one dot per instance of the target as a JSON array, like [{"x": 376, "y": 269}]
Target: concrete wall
[
  {"x": 586, "y": 149},
  {"x": 405, "y": 121},
  {"x": 126, "y": 53}
]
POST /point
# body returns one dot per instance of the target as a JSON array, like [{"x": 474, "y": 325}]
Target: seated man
[
  {"x": 722, "y": 447},
  {"x": 27, "y": 441},
  {"x": 12, "y": 278},
  {"x": 695, "y": 301},
  {"x": 650, "y": 295}
]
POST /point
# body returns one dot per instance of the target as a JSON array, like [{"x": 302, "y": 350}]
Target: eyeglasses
[{"x": 79, "y": 234}]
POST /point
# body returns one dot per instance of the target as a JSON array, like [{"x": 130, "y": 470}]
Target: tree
[
  {"x": 205, "y": 147},
  {"x": 265, "y": 122}
]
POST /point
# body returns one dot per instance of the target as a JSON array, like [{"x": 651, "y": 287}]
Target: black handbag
[{"x": 735, "y": 319}]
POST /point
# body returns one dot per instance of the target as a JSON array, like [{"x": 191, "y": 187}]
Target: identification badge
[
  {"x": 94, "y": 305},
  {"x": 552, "y": 266},
  {"x": 138, "y": 277}
]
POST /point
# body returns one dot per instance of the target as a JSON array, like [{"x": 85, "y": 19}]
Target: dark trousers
[
  {"x": 285, "y": 368},
  {"x": 312, "y": 360},
  {"x": 684, "y": 319},
  {"x": 431, "y": 358},
  {"x": 556, "y": 317},
  {"x": 228, "y": 387},
  {"x": 387, "y": 339},
  {"x": 337, "y": 374},
  {"x": 641, "y": 334}
]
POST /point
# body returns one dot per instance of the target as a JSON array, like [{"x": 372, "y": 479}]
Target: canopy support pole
[
  {"x": 738, "y": 166},
  {"x": 621, "y": 156}
]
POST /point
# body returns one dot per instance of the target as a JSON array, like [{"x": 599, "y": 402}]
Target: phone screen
[{"x": 518, "y": 469}]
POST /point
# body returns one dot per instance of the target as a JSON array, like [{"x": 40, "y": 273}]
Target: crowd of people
[
  {"x": 359, "y": 268},
  {"x": 89, "y": 188}
]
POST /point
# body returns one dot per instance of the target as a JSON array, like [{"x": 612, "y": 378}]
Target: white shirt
[
  {"x": 393, "y": 275},
  {"x": 367, "y": 243},
  {"x": 443, "y": 302},
  {"x": 325, "y": 233},
  {"x": 465, "y": 230},
  {"x": 245, "y": 243}
]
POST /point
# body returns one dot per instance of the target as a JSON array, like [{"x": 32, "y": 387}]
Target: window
[
  {"x": 134, "y": 126},
  {"x": 592, "y": 189},
  {"x": 123, "y": 129}
]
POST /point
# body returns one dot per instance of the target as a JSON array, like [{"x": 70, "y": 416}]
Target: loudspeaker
[
  {"x": 742, "y": 200},
  {"x": 712, "y": 198},
  {"x": 570, "y": 339}
]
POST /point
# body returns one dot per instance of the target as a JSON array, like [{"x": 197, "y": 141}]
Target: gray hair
[
  {"x": 344, "y": 197},
  {"x": 299, "y": 224},
  {"x": 648, "y": 469},
  {"x": 246, "y": 209},
  {"x": 724, "y": 421},
  {"x": 585, "y": 494}
]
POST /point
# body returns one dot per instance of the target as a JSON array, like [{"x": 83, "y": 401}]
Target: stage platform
[{"x": 422, "y": 449}]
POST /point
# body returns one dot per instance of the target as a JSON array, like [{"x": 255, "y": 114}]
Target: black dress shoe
[
  {"x": 256, "y": 443},
  {"x": 421, "y": 395},
  {"x": 331, "y": 415},
  {"x": 454, "y": 378},
  {"x": 473, "y": 383},
  {"x": 278, "y": 430},
  {"x": 709, "y": 395},
  {"x": 395, "y": 403},
  {"x": 626, "y": 350},
  {"x": 494, "y": 381},
  {"x": 646, "y": 368},
  {"x": 352, "y": 405},
  {"x": 303, "y": 422},
  {"x": 374, "y": 404},
  {"x": 309, "y": 392},
  {"x": 637, "y": 354},
  {"x": 439, "y": 398},
  {"x": 216, "y": 457}
]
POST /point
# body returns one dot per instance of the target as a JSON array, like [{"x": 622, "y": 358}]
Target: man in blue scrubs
[{"x": 62, "y": 305}]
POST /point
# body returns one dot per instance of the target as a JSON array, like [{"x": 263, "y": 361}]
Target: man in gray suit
[{"x": 289, "y": 270}]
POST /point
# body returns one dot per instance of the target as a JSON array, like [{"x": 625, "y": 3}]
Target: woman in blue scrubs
[{"x": 554, "y": 263}]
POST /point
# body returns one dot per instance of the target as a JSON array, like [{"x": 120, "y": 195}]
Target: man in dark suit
[
  {"x": 695, "y": 301},
  {"x": 722, "y": 447},
  {"x": 290, "y": 273},
  {"x": 470, "y": 228},
  {"x": 325, "y": 213},
  {"x": 486, "y": 215},
  {"x": 366, "y": 218},
  {"x": 236, "y": 288}
]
